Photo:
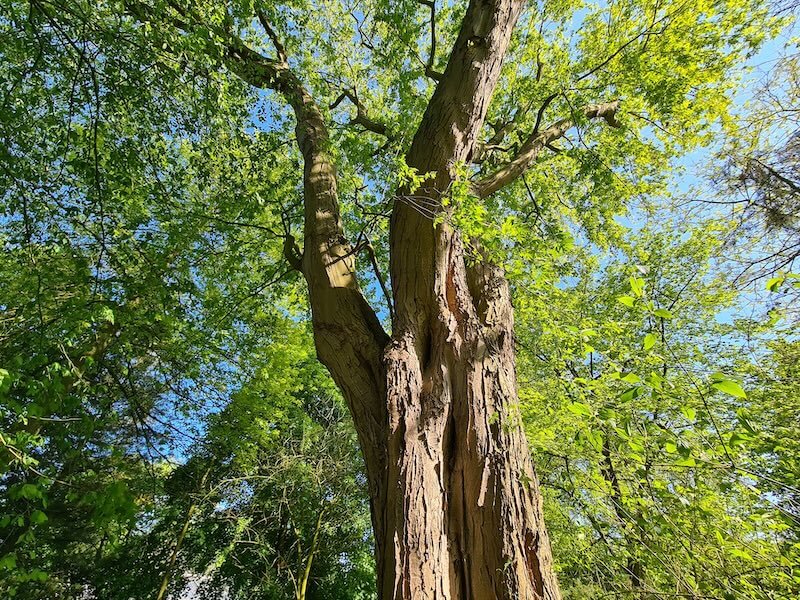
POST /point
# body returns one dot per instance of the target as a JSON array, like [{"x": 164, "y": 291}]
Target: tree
[
  {"x": 663, "y": 474},
  {"x": 455, "y": 503},
  {"x": 757, "y": 177},
  {"x": 284, "y": 513}
]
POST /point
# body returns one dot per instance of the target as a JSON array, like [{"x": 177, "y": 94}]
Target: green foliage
[{"x": 662, "y": 482}]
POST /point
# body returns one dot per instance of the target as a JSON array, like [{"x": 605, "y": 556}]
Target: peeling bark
[{"x": 463, "y": 516}]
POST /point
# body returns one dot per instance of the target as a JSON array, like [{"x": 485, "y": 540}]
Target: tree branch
[
  {"x": 447, "y": 135},
  {"x": 292, "y": 253},
  {"x": 501, "y": 130},
  {"x": 376, "y": 269},
  {"x": 541, "y": 112},
  {"x": 536, "y": 141},
  {"x": 281, "y": 51},
  {"x": 429, "y": 70},
  {"x": 362, "y": 118},
  {"x": 347, "y": 332}
]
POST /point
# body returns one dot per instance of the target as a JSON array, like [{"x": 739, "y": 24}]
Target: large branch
[
  {"x": 529, "y": 151},
  {"x": 453, "y": 118},
  {"x": 347, "y": 333}
]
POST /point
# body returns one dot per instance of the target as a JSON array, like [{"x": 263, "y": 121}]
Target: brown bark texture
[{"x": 462, "y": 517}]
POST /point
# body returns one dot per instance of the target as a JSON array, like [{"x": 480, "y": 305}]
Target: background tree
[
  {"x": 757, "y": 172},
  {"x": 285, "y": 514},
  {"x": 654, "y": 459}
]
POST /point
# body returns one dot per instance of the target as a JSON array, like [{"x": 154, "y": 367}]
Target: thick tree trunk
[
  {"x": 463, "y": 515},
  {"x": 463, "y": 510}
]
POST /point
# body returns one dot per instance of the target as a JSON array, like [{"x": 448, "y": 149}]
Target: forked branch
[
  {"x": 362, "y": 118},
  {"x": 529, "y": 151}
]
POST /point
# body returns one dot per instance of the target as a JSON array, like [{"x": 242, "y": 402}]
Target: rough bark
[
  {"x": 463, "y": 502},
  {"x": 463, "y": 513}
]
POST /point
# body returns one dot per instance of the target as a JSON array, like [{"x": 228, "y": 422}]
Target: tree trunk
[
  {"x": 462, "y": 516},
  {"x": 463, "y": 512}
]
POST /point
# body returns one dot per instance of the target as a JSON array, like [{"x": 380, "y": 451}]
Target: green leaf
[
  {"x": 37, "y": 575},
  {"x": 8, "y": 562},
  {"x": 30, "y": 491},
  {"x": 631, "y": 378},
  {"x": 729, "y": 387},
  {"x": 739, "y": 438},
  {"x": 637, "y": 286},
  {"x": 595, "y": 439},
  {"x": 741, "y": 554},
  {"x": 655, "y": 381},
  {"x": 626, "y": 300},
  {"x": 579, "y": 409},
  {"x": 741, "y": 416},
  {"x": 106, "y": 314},
  {"x": 649, "y": 341},
  {"x": 631, "y": 393},
  {"x": 663, "y": 313},
  {"x": 774, "y": 284},
  {"x": 689, "y": 412},
  {"x": 607, "y": 414},
  {"x": 38, "y": 517}
]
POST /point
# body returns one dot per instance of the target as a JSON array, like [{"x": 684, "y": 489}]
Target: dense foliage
[{"x": 165, "y": 429}]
